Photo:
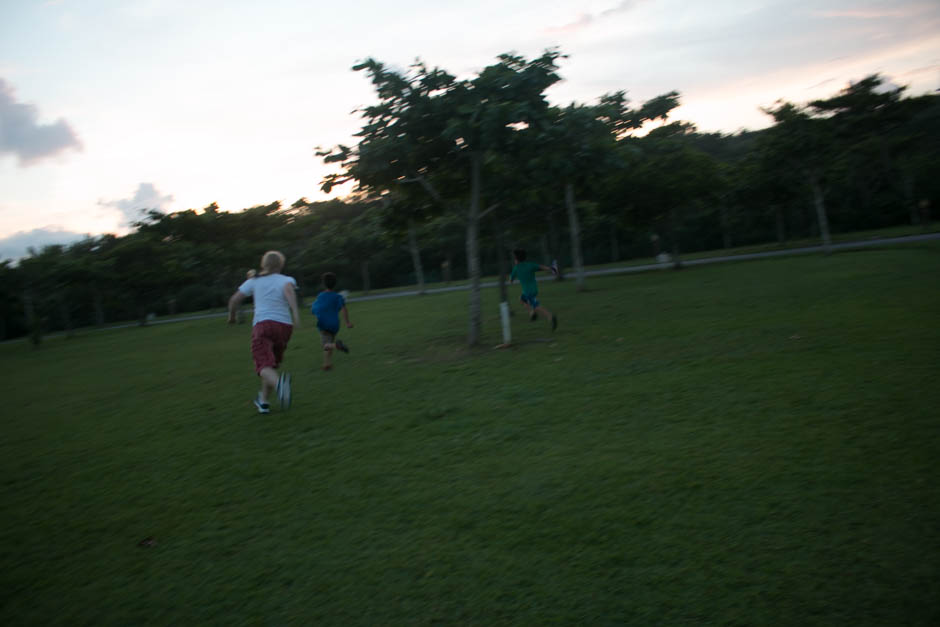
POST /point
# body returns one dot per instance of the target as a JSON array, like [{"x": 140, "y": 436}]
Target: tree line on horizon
[{"x": 449, "y": 175}]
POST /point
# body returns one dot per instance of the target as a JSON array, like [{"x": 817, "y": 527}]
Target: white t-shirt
[{"x": 268, "y": 292}]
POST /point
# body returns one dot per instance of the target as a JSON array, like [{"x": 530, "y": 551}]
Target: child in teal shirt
[{"x": 525, "y": 272}]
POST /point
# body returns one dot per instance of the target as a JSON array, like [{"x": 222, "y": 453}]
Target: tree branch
[
  {"x": 426, "y": 184},
  {"x": 490, "y": 209}
]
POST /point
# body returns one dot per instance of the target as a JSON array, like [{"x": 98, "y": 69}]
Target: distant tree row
[{"x": 451, "y": 174}]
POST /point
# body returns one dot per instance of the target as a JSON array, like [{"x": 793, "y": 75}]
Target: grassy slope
[{"x": 744, "y": 444}]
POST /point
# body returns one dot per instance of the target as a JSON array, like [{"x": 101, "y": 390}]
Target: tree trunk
[
  {"x": 821, "y": 217},
  {"x": 473, "y": 252},
  {"x": 64, "y": 314},
  {"x": 614, "y": 244},
  {"x": 365, "y": 276},
  {"x": 781, "y": 224},
  {"x": 415, "y": 256},
  {"x": 554, "y": 244},
  {"x": 924, "y": 208},
  {"x": 865, "y": 193},
  {"x": 446, "y": 267},
  {"x": 725, "y": 225},
  {"x": 99, "y": 306},
  {"x": 907, "y": 189},
  {"x": 501, "y": 263},
  {"x": 674, "y": 236},
  {"x": 32, "y": 320},
  {"x": 576, "y": 257}
]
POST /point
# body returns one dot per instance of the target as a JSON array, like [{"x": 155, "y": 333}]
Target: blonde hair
[{"x": 272, "y": 262}]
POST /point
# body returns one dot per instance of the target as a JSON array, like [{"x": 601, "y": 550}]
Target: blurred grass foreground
[{"x": 742, "y": 444}]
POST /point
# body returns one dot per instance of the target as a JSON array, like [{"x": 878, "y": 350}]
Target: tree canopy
[{"x": 451, "y": 173}]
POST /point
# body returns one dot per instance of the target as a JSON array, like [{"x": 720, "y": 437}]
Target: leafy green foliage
[{"x": 868, "y": 153}]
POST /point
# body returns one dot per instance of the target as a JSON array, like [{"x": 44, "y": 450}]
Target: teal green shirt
[{"x": 525, "y": 271}]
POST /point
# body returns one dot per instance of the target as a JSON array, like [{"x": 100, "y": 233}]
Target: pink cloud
[
  {"x": 877, "y": 13},
  {"x": 586, "y": 19},
  {"x": 583, "y": 21}
]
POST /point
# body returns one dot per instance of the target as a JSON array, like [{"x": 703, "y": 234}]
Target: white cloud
[
  {"x": 17, "y": 246},
  {"x": 146, "y": 197},
  {"x": 23, "y": 136}
]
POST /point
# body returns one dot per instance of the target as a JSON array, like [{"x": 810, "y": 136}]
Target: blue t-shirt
[{"x": 326, "y": 308}]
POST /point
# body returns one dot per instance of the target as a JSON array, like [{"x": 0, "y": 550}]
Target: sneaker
[
  {"x": 341, "y": 346},
  {"x": 283, "y": 390},
  {"x": 533, "y": 316},
  {"x": 263, "y": 408},
  {"x": 554, "y": 322}
]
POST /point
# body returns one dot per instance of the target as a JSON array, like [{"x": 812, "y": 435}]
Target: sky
[{"x": 111, "y": 107}]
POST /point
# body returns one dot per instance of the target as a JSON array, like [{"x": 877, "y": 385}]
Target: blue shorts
[{"x": 530, "y": 299}]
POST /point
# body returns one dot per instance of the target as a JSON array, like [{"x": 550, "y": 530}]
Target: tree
[
  {"x": 402, "y": 143},
  {"x": 11, "y": 323},
  {"x": 620, "y": 187},
  {"x": 675, "y": 179},
  {"x": 803, "y": 143},
  {"x": 875, "y": 138},
  {"x": 433, "y": 131},
  {"x": 47, "y": 300},
  {"x": 576, "y": 145}
]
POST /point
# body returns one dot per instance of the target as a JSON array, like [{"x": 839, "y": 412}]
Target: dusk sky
[{"x": 108, "y": 107}]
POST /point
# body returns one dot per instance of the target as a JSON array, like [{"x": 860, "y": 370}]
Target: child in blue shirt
[{"x": 327, "y": 308}]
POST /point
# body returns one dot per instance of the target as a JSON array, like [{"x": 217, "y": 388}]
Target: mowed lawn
[{"x": 742, "y": 444}]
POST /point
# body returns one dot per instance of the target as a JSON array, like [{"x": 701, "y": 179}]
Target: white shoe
[{"x": 283, "y": 390}]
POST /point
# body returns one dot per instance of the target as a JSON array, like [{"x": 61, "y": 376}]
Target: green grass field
[{"x": 745, "y": 444}]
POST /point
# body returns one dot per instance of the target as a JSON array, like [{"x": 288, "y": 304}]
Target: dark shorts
[
  {"x": 268, "y": 343},
  {"x": 530, "y": 299}
]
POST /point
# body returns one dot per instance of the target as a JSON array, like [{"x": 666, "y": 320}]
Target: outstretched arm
[
  {"x": 233, "y": 303},
  {"x": 552, "y": 268},
  {"x": 291, "y": 297}
]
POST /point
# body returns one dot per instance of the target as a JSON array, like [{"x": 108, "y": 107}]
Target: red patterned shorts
[{"x": 268, "y": 343}]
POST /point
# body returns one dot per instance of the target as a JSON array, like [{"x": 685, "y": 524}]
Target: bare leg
[
  {"x": 545, "y": 313},
  {"x": 529, "y": 311},
  {"x": 328, "y": 356},
  {"x": 268, "y": 382}
]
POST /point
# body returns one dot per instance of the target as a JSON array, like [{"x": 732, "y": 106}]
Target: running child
[
  {"x": 525, "y": 272},
  {"x": 276, "y": 314},
  {"x": 327, "y": 308}
]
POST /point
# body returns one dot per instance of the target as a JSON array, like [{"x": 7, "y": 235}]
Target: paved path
[
  {"x": 685, "y": 262},
  {"x": 622, "y": 270}
]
